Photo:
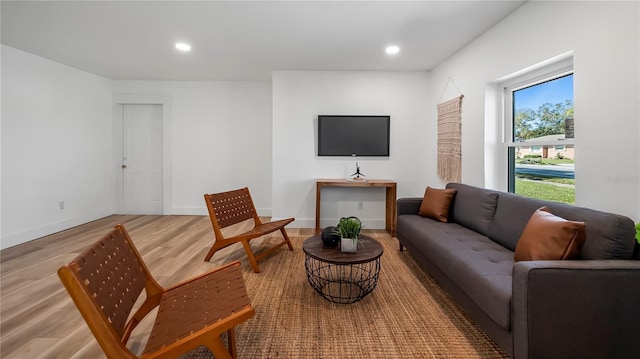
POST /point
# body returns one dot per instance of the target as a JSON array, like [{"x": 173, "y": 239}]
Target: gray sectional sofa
[{"x": 584, "y": 308}]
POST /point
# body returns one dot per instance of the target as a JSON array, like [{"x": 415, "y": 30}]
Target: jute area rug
[{"x": 406, "y": 316}]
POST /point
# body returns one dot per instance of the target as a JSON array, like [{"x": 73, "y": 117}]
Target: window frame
[{"x": 548, "y": 72}]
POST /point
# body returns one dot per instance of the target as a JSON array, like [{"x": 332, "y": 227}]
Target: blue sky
[{"x": 554, "y": 91}]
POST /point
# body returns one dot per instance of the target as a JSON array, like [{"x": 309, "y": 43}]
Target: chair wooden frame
[
  {"x": 106, "y": 280},
  {"x": 232, "y": 207}
]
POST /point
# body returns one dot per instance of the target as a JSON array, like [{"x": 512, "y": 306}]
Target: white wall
[
  {"x": 604, "y": 39},
  {"x": 56, "y": 146},
  {"x": 300, "y": 96},
  {"x": 220, "y": 138}
]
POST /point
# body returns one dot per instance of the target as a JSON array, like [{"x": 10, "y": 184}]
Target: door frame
[{"x": 120, "y": 99}]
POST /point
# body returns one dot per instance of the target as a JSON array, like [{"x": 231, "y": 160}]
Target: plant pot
[{"x": 348, "y": 245}]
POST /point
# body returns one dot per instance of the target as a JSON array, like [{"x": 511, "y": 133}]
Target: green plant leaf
[{"x": 349, "y": 227}]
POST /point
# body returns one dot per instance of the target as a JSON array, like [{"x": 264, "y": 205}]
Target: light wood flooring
[{"x": 38, "y": 318}]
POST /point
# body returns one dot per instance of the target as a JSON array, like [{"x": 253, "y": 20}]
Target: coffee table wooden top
[{"x": 368, "y": 250}]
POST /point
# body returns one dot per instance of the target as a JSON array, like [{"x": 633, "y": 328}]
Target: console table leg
[{"x": 318, "y": 208}]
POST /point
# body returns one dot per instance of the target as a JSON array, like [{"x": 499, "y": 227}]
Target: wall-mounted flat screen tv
[{"x": 353, "y": 135}]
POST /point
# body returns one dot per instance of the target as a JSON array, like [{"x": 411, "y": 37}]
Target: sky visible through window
[{"x": 554, "y": 91}]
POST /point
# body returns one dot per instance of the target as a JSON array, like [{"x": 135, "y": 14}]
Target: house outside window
[{"x": 539, "y": 115}]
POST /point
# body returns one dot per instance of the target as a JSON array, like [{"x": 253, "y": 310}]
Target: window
[{"x": 539, "y": 115}]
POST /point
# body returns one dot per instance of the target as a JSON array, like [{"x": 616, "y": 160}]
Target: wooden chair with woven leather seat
[
  {"x": 106, "y": 280},
  {"x": 233, "y": 207}
]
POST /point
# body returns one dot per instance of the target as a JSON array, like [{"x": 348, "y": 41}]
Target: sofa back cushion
[
  {"x": 512, "y": 215},
  {"x": 608, "y": 235},
  {"x": 473, "y": 207}
]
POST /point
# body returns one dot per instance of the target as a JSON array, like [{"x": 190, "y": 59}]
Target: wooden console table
[{"x": 390, "y": 202}]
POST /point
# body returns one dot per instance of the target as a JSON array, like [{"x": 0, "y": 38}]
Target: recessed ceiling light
[
  {"x": 183, "y": 47},
  {"x": 392, "y": 50}
]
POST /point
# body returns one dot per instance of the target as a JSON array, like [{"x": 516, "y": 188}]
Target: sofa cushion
[
  {"x": 549, "y": 237},
  {"x": 436, "y": 203},
  {"x": 608, "y": 235},
  {"x": 473, "y": 207},
  {"x": 479, "y": 266}
]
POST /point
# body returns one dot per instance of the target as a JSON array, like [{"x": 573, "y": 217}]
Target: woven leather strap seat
[
  {"x": 232, "y": 207},
  {"x": 106, "y": 280}
]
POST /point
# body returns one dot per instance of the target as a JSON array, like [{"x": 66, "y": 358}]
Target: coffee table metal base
[{"x": 342, "y": 283}]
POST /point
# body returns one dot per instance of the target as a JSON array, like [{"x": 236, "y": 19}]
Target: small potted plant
[{"x": 349, "y": 229}]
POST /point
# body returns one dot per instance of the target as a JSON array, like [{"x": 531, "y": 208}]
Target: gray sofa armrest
[
  {"x": 408, "y": 205},
  {"x": 576, "y": 309}
]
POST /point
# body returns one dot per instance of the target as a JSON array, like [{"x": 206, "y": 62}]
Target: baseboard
[
  {"x": 15, "y": 239},
  {"x": 189, "y": 210},
  {"x": 298, "y": 223},
  {"x": 367, "y": 223},
  {"x": 202, "y": 211}
]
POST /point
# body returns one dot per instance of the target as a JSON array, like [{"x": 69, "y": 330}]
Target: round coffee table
[{"x": 342, "y": 277}]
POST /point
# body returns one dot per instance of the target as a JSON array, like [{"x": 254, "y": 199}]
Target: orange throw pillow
[
  {"x": 549, "y": 237},
  {"x": 436, "y": 203}
]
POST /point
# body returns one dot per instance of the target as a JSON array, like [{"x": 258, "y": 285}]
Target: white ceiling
[{"x": 244, "y": 40}]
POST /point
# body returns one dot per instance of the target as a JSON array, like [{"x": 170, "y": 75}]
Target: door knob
[{"x": 124, "y": 166}]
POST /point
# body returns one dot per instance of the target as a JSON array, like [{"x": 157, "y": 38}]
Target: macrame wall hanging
[{"x": 450, "y": 138}]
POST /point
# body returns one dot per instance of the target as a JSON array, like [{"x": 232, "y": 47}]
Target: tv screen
[{"x": 353, "y": 135}]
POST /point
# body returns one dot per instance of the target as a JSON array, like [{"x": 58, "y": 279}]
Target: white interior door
[{"x": 142, "y": 159}]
